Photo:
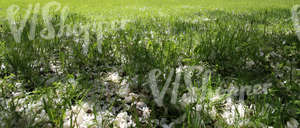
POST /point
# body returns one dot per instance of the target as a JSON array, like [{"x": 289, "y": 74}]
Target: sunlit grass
[{"x": 243, "y": 43}]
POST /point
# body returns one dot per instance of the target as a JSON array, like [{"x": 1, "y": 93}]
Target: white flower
[
  {"x": 17, "y": 94},
  {"x": 167, "y": 126},
  {"x": 293, "y": 123},
  {"x": 80, "y": 115},
  {"x": 241, "y": 110},
  {"x": 86, "y": 106},
  {"x": 131, "y": 97},
  {"x": 123, "y": 121},
  {"x": 205, "y": 108},
  {"x": 233, "y": 111},
  {"x": 216, "y": 97},
  {"x": 284, "y": 42},
  {"x": 146, "y": 112},
  {"x": 198, "y": 107},
  {"x": 124, "y": 91},
  {"x": 250, "y": 63},
  {"x": 3, "y": 66},
  {"x": 213, "y": 112},
  {"x": 55, "y": 68},
  {"x": 114, "y": 77},
  {"x": 140, "y": 105},
  {"x": 18, "y": 85},
  {"x": 104, "y": 117}
]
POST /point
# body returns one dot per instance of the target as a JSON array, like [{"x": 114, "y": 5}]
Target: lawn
[
  {"x": 134, "y": 8},
  {"x": 150, "y": 63}
]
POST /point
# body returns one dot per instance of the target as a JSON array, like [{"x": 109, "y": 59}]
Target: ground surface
[{"x": 152, "y": 63}]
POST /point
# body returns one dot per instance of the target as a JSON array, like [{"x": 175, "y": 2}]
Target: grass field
[
  {"x": 150, "y": 63},
  {"x": 134, "y": 8}
]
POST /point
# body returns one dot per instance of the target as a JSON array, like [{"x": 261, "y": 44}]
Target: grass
[
  {"x": 244, "y": 44},
  {"x": 112, "y": 10}
]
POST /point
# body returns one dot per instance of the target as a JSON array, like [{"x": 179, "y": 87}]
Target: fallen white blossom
[
  {"x": 123, "y": 121},
  {"x": 292, "y": 123}
]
